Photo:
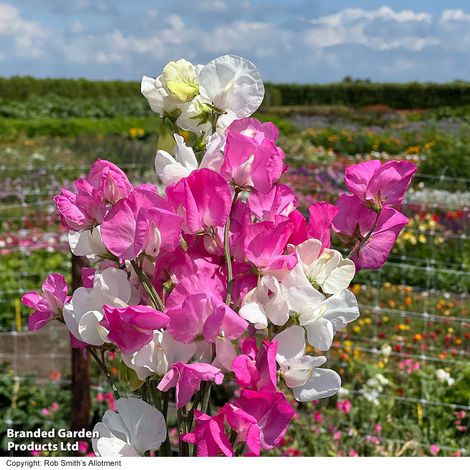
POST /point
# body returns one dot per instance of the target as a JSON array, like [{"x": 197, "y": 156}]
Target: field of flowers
[{"x": 405, "y": 361}]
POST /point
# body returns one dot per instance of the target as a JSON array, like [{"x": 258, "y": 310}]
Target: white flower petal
[
  {"x": 322, "y": 384},
  {"x": 320, "y": 334},
  {"x": 232, "y": 83},
  {"x": 291, "y": 343}
]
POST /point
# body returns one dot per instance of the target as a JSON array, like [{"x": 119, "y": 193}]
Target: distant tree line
[{"x": 355, "y": 93}]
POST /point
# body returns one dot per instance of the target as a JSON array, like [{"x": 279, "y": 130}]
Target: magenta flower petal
[
  {"x": 187, "y": 378},
  {"x": 272, "y": 412},
  {"x": 131, "y": 328},
  {"x": 209, "y": 436},
  {"x": 203, "y": 199},
  {"x": 321, "y": 217}
]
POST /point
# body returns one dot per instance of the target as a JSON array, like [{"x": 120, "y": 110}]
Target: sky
[{"x": 288, "y": 40}]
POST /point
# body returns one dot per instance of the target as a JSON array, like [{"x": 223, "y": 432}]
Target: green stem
[
  {"x": 104, "y": 369},
  {"x": 147, "y": 285},
  {"x": 228, "y": 257},
  {"x": 182, "y": 429}
]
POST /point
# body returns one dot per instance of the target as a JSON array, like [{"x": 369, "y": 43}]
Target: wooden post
[{"x": 81, "y": 402}]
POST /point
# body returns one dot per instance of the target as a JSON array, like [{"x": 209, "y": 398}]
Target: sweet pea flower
[
  {"x": 143, "y": 222},
  {"x": 246, "y": 427},
  {"x": 378, "y": 185},
  {"x": 49, "y": 304},
  {"x": 203, "y": 199},
  {"x": 319, "y": 224},
  {"x": 135, "y": 428},
  {"x": 110, "y": 180},
  {"x": 232, "y": 84},
  {"x": 131, "y": 328},
  {"x": 159, "y": 99},
  {"x": 83, "y": 209},
  {"x": 179, "y": 80},
  {"x": 279, "y": 201},
  {"x": 186, "y": 378},
  {"x": 299, "y": 231},
  {"x": 202, "y": 315},
  {"x": 251, "y": 158},
  {"x": 87, "y": 243},
  {"x": 272, "y": 412},
  {"x": 354, "y": 222},
  {"x": 322, "y": 317},
  {"x": 302, "y": 373},
  {"x": 257, "y": 372},
  {"x": 267, "y": 301},
  {"x": 209, "y": 436},
  {"x": 170, "y": 169},
  {"x": 321, "y": 268},
  {"x": 84, "y": 312},
  {"x": 265, "y": 245},
  {"x": 213, "y": 157},
  {"x": 157, "y": 356}
]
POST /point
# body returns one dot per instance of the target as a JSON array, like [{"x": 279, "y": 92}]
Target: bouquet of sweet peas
[{"x": 214, "y": 277}]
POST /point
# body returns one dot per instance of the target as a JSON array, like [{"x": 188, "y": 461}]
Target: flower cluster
[{"x": 218, "y": 277}]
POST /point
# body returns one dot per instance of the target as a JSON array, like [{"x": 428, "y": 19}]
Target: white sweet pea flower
[
  {"x": 301, "y": 373},
  {"x": 159, "y": 355},
  {"x": 266, "y": 302},
  {"x": 85, "y": 310},
  {"x": 232, "y": 84},
  {"x": 87, "y": 243},
  {"x": 134, "y": 429},
  {"x": 159, "y": 99},
  {"x": 322, "y": 317},
  {"x": 214, "y": 158},
  {"x": 179, "y": 80},
  {"x": 171, "y": 169},
  {"x": 326, "y": 269}
]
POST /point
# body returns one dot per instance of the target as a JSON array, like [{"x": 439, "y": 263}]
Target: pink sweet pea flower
[
  {"x": 279, "y": 201},
  {"x": 49, "y": 304},
  {"x": 187, "y": 378},
  {"x": 172, "y": 267},
  {"x": 141, "y": 222},
  {"x": 203, "y": 315},
  {"x": 299, "y": 233},
  {"x": 110, "y": 180},
  {"x": 251, "y": 158},
  {"x": 272, "y": 412},
  {"x": 209, "y": 436},
  {"x": 81, "y": 210},
  {"x": 257, "y": 372},
  {"x": 196, "y": 307},
  {"x": 203, "y": 199},
  {"x": 265, "y": 245},
  {"x": 378, "y": 185},
  {"x": 131, "y": 328},
  {"x": 355, "y": 221},
  {"x": 246, "y": 427},
  {"x": 319, "y": 224}
]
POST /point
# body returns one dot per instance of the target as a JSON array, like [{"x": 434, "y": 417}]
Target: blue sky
[{"x": 288, "y": 40}]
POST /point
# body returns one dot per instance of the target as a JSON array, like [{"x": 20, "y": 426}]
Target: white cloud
[
  {"x": 28, "y": 37},
  {"x": 370, "y": 28}
]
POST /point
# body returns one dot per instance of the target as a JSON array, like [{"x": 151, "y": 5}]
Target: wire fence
[{"x": 417, "y": 308}]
